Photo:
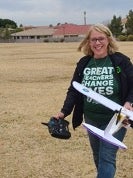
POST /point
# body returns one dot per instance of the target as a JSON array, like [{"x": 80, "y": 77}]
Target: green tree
[
  {"x": 21, "y": 25},
  {"x": 116, "y": 26},
  {"x": 1, "y": 33},
  {"x": 7, "y": 27},
  {"x": 7, "y": 23},
  {"x": 7, "y": 34},
  {"x": 129, "y": 23}
]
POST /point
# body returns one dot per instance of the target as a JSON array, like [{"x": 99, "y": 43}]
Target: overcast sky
[{"x": 46, "y": 12}]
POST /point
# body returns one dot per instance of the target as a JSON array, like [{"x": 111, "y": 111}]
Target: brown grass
[{"x": 33, "y": 82}]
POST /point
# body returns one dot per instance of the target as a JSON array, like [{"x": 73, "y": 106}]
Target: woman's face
[{"x": 99, "y": 44}]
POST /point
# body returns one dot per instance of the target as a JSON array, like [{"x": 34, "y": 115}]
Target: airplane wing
[
  {"x": 108, "y": 137},
  {"x": 102, "y": 99}
]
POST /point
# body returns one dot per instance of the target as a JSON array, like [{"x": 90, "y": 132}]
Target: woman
[{"x": 109, "y": 73}]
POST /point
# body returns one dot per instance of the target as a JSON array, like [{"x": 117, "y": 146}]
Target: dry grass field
[{"x": 33, "y": 82}]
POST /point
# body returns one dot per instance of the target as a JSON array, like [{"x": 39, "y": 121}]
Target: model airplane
[{"x": 115, "y": 123}]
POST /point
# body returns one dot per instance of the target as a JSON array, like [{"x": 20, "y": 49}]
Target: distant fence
[
  {"x": 6, "y": 41},
  {"x": 43, "y": 40}
]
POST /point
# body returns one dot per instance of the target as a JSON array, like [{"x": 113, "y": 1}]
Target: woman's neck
[{"x": 100, "y": 56}]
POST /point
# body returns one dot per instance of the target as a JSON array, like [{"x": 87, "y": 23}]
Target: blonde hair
[{"x": 85, "y": 44}]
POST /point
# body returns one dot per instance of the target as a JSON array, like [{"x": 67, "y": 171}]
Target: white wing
[
  {"x": 108, "y": 137},
  {"x": 102, "y": 99}
]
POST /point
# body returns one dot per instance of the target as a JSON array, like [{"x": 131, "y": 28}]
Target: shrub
[
  {"x": 62, "y": 40},
  {"x": 122, "y": 38},
  {"x": 45, "y": 40},
  {"x": 130, "y": 38}
]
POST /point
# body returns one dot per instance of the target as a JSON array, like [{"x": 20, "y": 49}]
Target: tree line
[
  {"x": 7, "y": 27},
  {"x": 122, "y": 31}
]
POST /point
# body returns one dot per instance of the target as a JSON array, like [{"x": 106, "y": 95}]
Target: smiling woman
[
  {"x": 101, "y": 59},
  {"x": 99, "y": 37}
]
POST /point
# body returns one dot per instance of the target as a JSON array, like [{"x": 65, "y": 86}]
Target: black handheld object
[{"x": 58, "y": 128}]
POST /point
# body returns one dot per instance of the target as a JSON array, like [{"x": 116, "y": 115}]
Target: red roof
[{"x": 71, "y": 29}]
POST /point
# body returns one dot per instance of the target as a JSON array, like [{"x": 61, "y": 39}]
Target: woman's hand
[
  {"x": 128, "y": 105},
  {"x": 126, "y": 121},
  {"x": 59, "y": 115}
]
